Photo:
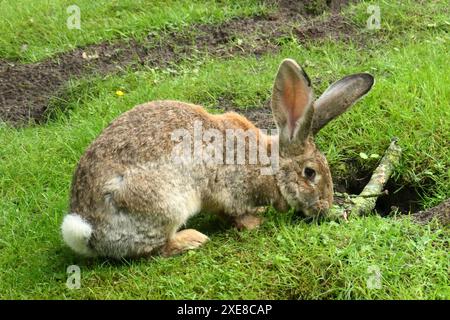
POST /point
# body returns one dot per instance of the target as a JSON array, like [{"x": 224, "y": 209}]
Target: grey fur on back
[
  {"x": 127, "y": 187},
  {"x": 129, "y": 198}
]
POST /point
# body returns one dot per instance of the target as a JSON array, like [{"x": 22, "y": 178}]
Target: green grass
[
  {"x": 286, "y": 258},
  {"x": 37, "y": 29}
]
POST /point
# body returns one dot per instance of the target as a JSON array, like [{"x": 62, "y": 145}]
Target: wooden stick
[
  {"x": 364, "y": 203},
  {"x": 346, "y": 195}
]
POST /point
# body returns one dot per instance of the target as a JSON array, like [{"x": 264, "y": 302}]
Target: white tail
[{"x": 76, "y": 233}]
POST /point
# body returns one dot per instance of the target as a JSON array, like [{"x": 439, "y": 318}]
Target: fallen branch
[
  {"x": 364, "y": 203},
  {"x": 346, "y": 195}
]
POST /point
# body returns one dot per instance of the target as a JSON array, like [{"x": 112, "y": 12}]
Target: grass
[
  {"x": 33, "y": 30},
  {"x": 287, "y": 258}
]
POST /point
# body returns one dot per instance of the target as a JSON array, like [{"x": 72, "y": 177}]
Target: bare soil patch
[
  {"x": 441, "y": 213},
  {"x": 25, "y": 89}
]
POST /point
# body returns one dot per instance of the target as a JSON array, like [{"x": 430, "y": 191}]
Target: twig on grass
[
  {"x": 364, "y": 203},
  {"x": 347, "y": 195}
]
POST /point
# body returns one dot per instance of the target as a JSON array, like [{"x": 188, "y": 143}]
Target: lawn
[
  {"x": 37, "y": 29},
  {"x": 287, "y": 258}
]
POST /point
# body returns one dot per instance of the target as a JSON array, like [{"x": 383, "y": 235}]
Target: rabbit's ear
[
  {"x": 339, "y": 97},
  {"x": 292, "y": 99}
]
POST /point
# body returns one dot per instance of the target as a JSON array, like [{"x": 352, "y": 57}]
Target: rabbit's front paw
[{"x": 247, "y": 222}]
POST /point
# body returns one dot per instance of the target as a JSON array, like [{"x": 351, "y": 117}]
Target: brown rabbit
[{"x": 130, "y": 198}]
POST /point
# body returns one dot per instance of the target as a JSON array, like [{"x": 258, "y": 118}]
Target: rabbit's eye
[{"x": 310, "y": 173}]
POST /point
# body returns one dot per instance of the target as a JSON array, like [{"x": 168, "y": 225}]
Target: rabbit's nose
[
  {"x": 323, "y": 206},
  {"x": 319, "y": 208}
]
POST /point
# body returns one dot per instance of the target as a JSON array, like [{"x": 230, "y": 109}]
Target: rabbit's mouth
[
  {"x": 311, "y": 213},
  {"x": 318, "y": 209}
]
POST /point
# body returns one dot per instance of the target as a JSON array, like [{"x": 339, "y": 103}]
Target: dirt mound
[
  {"x": 25, "y": 89},
  {"x": 440, "y": 212}
]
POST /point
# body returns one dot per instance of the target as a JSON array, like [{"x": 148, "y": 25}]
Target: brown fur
[{"x": 132, "y": 199}]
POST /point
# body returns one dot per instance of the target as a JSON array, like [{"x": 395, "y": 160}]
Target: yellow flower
[{"x": 119, "y": 93}]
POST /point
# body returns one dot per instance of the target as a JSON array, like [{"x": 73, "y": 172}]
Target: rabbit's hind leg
[
  {"x": 146, "y": 211},
  {"x": 182, "y": 241},
  {"x": 124, "y": 235}
]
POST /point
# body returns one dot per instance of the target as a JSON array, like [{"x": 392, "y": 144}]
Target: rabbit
[{"x": 130, "y": 200}]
